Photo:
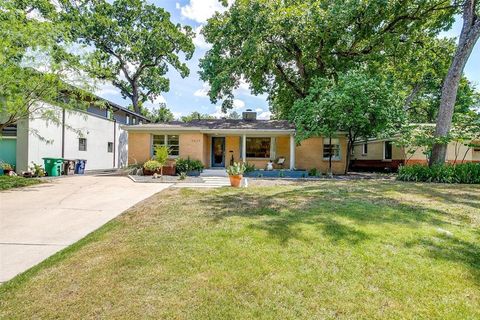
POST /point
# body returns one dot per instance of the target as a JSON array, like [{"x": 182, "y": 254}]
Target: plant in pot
[
  {"x": 6, "y": 168},
  {"x": 235, "y": 173},
  {"x": 191, "y": 168},
  {"x": 151, "y": 167},
  {"x": 161, "y": 156}
]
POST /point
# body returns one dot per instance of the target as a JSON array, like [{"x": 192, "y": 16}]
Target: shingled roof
[{"x": 221, "y": 124}]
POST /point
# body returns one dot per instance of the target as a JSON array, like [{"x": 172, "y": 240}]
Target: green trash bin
[{"x": 53, "y": 166}]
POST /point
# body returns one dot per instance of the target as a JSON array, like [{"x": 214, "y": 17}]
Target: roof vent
[{"x": 249, "y": 115}]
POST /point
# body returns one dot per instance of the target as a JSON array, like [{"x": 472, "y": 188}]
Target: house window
[
  {"x": 110, "y": 147},
  {"x": 82, "y": 144},
  {"x": 127, "y": 121},
  {"x": 171, "y": 141},
  {"x": 387, "y": 150},
  {"x": 108, "y": 114},
  {"x": 258, "y": 147},
  {"x": 331, "y": 147},
  {"x": 365, "y": 148},
  {"x": 134, "y": 120}
]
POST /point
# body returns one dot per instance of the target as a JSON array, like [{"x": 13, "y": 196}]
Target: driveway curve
[{"x": 38, "y": 221}]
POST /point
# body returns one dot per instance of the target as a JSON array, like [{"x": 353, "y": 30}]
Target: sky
[{"x": 190, "y": 94}]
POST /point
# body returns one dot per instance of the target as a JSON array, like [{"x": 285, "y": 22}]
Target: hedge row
[{"x": 468, "y": 173}]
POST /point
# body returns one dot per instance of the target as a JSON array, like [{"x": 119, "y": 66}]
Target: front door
[{"x": 218, "y": 152}]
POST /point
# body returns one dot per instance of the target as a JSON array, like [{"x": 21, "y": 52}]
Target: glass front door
[{"x": 218, "y": 152}]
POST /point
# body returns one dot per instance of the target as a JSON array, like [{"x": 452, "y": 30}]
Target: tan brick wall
[
  {"x": 309, "y": 154},
  {"x": 138, "y": 147},
  {"x": 191, "y": 145}
]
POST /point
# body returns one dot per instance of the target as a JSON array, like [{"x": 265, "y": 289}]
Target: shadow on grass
[
  {"x": 340, "y": 211},
  {"x": 453, "y": 249}
]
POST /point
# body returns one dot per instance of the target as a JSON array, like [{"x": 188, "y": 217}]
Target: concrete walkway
[{"x": 36, "y": 222}]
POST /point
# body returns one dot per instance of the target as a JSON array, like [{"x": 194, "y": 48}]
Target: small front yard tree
[{"x": 358, "y": 103}]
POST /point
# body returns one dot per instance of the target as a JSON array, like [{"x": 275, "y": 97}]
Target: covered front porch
[{"x": 253, "y": 148}]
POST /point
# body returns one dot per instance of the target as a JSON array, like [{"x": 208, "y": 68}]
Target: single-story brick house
[
  {"x": 220, "y": 142},
  {"x": 384, "y": 154}
]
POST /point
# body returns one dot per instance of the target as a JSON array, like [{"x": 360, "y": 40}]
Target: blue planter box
[
  {"x": 296, "y": 174},
  {"x": 194, "y": 173}
]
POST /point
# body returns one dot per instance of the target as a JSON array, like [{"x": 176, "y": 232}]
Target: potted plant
[
  {"x": 151, "y": 167},
  {"x": 235, "y": 173},
  {"x": 6, "y": 168},
  {"x": 191, "y": 168},
  {"x": 161, "y": 156}
]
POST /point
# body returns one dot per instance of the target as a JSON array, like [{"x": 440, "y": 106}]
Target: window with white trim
[
  {"x": 110, "y": 147},
  {"x": 331, "y": 147},
  {"x": 171, "y": 141}
]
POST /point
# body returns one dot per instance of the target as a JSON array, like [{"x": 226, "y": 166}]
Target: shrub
[
  {"x": 467, "y": 173},
  {"x": 6, "y": 166},
  {"x": 237, "y": 169},
  {"x": 186, "y": 165},
  {"x": 313, "y": 172},
  {"x": 249, "y": 167},
  {"x": 161, "y": 154},
  {"x": 152, "y": 165}
]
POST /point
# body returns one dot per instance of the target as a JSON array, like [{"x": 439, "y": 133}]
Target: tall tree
[
  {"x": 29, "y": 40},
  {"x": 195, "y": 115},
  {"x": 466, "y": 42},
  {"x": 280, "y": 47},
  {"x": 131, "y": 43},
  {"x": 162, "y": 114}
]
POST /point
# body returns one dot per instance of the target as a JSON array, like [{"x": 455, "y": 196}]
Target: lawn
[
  {"x": 319, "y": 250},
  {"x": 7, "y": 182}
]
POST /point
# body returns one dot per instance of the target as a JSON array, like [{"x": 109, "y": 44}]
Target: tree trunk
[
  {"x": 468, "y": 37},
  {"x": 135, "y": 99}
]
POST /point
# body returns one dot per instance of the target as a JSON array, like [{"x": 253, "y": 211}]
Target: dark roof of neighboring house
[
  {"x": 224, "y": 124},
  {"x": 119, "y": 107}
]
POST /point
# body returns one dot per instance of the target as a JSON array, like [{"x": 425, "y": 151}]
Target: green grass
[
  {"x": 328, "y": 250},
  {"x": 7, "y": 182}
]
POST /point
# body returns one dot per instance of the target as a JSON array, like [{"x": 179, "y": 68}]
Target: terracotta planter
[{"x": 236, "y": 181}]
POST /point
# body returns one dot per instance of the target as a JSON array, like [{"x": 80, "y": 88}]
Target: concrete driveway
[{"x": 36, "y": 222}]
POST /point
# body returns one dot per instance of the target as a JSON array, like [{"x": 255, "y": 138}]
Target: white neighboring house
[{"x": 94, "y": 135}]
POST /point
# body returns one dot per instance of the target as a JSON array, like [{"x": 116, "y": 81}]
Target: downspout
[{"x": 63, "y": 133}]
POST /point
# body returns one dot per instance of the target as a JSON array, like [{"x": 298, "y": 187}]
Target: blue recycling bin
[{"x": 80, "y": 166}]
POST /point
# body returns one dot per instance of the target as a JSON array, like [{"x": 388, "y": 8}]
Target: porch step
[
  {"x": 209, "y": 182},
  {"x": 214, "y": 173}
]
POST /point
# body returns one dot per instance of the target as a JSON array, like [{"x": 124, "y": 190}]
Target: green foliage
[
  {"x": 37, "y": 170},
  {"x": 280, "y": 47},
  {"x": 249, "y": 167},
  {"x": 162, "y": 114},
  {"x": 197, "y": 116},
  {"x": 152, "y": 166},
  {"x": 7, "y": 182},
  {"x": 6, "y": 166},
  {"x": 182, "y": 176},
  {"x": 186, "y": 165},
  {"x": 468, "y": 173},
  {"x": 27, "y": 45},
  {"x": 236, "y": 169},
  {"x": 314, "y": 172},
  {"x": 134, "y": 45},
  {"x": 161, "y": 154}
]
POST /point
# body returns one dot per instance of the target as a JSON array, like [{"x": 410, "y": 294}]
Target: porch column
[
  {"x": 244, "y": 148},
  {"x": 292, "y": 152}
]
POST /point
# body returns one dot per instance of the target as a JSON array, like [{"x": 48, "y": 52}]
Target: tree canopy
[
  {"x": 281, "y": 47},
  {"x": 131, "y": 43}
]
